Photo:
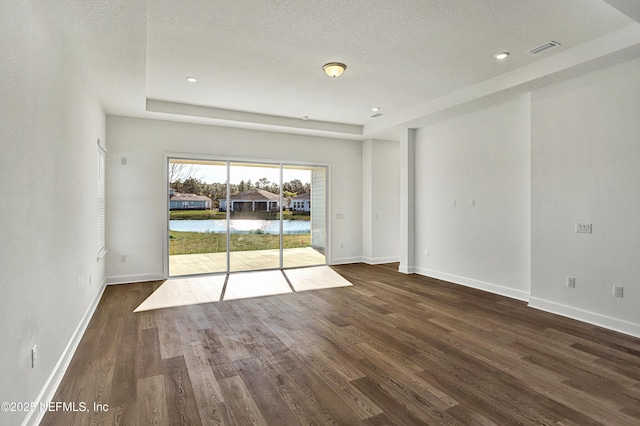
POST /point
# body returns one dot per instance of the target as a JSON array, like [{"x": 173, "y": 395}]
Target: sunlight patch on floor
[
  {"x": 316, "y": 278},
  {"x": 240, "y": 285},
  {"x": 185, "y": 291},
  {"x": 243, "y": 285}
]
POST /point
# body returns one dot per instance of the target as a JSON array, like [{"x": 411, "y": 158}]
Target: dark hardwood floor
[{"x": 392, "y": 349}]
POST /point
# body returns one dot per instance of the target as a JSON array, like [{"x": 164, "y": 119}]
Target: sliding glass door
[
  {"x": 304, "y": 233},
  {"x": 229, "y": 216},
  {"x": 197, "y": 228},
  {"x": 254, "y": 206}
]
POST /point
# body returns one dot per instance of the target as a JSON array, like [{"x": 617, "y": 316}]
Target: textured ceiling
[{"x": 259, "y": 63}]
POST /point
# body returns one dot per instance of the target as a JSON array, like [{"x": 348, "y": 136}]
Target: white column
[
  {"x": 407, "y": 201},
  {"x": 367, "y": 201}
]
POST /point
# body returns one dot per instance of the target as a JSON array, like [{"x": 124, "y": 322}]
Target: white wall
[
  {"x": 519, "y": 240},
  {"x": 136, "y": 210},
  {"x": 48, "y": 156},
  {"x": 482, "y": 156},
  {"x": 586, "y": 168},
  {"x": 380, "y": 201}
]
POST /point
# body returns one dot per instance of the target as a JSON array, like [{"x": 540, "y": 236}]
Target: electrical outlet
[
  {"x": 123, "y": 258},
  {"x": 454, "y": 203},
  {"x": 571, "y": 282},
  {"x": 34, "y": 355},
  {"x": 618, "y": 291},
  {"x": 583, "y": 228},
  {"x": 472, "y": 203},
  {"x": 341, "y": 245}
]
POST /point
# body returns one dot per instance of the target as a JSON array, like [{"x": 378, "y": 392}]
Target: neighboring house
[
  {"x": 179, "y": 201},
  {"x": 301, "y": 202},
  {"x": 253, "y": 200}
]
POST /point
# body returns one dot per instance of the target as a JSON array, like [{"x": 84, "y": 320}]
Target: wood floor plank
[
  {"x": 302, "y": 401},
  {"x": 180, "y": 399},
  {"x": 393, "y": 409},
  {"x": 149, "y": 354},
  {"x": 217, "y": 354},
  {"x": 242, "y": 407},
  {"x": 205, "y": 386},
  {"x": 392, "y": 349},
  {"x": 168, "y": 334},
  {"x": 326, "y": 371},
  {"x": 152, "y": 408},
  {"x": 269, "y": 402},
  {"x": 215, "y": 414},
  {"x": 467, "y": 417},
  {"x": 123, "y": 392},
  {"x": 198, "y": 317}
]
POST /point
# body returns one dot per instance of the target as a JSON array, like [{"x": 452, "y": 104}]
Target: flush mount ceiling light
[
  {"x": 502, "y": 55},
  {"x": 191, "y": 79},
  {"x": 375, "y": 109},
  {"x": 334, "y": 69}
]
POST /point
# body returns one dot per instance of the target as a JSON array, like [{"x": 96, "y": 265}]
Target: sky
[{"x": 217, "y": 173}]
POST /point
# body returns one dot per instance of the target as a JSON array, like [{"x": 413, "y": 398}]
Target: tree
[
  {"x": 193, "y": 186},
  {"x": 288, "y": 197},
  {"x": 296, "y": 186},
  {"x": 263, "y": 183},
  {"x": 274, "y": 187},
  {"x": 180, "y": 172}
]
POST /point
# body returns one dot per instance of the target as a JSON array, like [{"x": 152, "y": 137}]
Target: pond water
[{"x": 241, "y": 226}]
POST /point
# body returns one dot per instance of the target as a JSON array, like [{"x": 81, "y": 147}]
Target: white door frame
[{"x": 168, "y": 156}]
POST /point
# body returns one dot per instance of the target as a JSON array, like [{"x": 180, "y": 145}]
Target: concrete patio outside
[{"x": 207, "y": 263}]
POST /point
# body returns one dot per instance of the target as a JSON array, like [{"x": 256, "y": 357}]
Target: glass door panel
[
  {"x": 197, "y": 225},
  {"x": 304, "y": 224},
  {"x": 235, "y": 216},
  {"x": 254, "y": 209}
]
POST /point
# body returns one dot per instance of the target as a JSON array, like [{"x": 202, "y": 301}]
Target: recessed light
[
  {"x": 306, "y": 117},
  {"x": 502, "y": 55},
  {"x": 192, "y": 79}
]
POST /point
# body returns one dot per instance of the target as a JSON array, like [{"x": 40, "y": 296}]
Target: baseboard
[
  {"x": 470, "y": 282},
  {"x": 406, "y": 269},
  {"x": 50, "y": 387},
  {"x": 136, "y": 278},
  {"x": 615, "y": 324},
  {"x": 380, "y": 260}
]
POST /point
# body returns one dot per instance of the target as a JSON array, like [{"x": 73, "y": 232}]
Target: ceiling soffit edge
[
  {"x": 605, "y": 51},
  {"x": 244, "y": 119}
]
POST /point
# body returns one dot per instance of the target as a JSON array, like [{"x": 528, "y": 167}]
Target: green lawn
[
  {"x": 196, "y": 242},
  {"x": 196, "y": 214}
]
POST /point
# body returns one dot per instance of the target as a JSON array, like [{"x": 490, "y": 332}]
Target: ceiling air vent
[{"x": 543, "y": 47}]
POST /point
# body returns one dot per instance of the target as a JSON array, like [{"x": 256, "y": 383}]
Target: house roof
[
  {"x": 189, "y": 197},
  {"x": 255, "y": 195},
  {"x": 304, "y": 196}
]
